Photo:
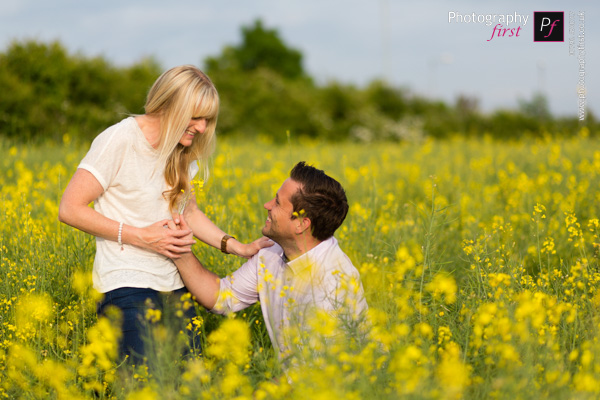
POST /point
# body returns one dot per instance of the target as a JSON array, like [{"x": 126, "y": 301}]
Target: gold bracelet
[{"x": 224, "y": 243}]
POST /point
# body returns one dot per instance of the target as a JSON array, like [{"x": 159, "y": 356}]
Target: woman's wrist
[
  {"x": 131, "y": 235},
  {"x": 230, "y": 245}
]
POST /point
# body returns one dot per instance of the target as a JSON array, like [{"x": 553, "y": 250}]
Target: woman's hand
[
  {"x": 250, "y": 249},
  {"x": 166, "y": 238}
]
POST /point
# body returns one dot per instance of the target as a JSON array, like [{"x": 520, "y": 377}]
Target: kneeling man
[{"x": 303, "y": 274}]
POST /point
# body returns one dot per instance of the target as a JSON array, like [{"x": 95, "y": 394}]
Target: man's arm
[
  {"x": 202, "y": 283},
  {"x": 240, "y": 290}
]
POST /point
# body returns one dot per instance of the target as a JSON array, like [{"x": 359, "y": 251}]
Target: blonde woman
[{"x": 137, "y": 172}]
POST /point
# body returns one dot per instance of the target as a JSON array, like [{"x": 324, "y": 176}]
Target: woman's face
[{"x": 196, "y": 126}]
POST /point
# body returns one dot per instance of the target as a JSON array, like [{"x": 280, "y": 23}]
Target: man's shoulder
[
  {"x": 268, "y": 253},
  {"x": 333, "y": 258}
]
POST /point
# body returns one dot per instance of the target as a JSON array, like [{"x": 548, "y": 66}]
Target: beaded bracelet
[{"x": 119, "y": 238}]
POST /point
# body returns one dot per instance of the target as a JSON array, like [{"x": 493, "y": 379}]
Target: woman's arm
[
  {"x": 74, "y": 210},
  {"x": 206, "y": 230}
]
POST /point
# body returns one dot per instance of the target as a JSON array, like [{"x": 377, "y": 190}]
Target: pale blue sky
[{"x": 411, "y": 44}]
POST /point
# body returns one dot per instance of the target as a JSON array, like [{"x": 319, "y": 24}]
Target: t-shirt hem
[
  {"x": 139, "y": 286},
  {"x": 96, "y": 174}
]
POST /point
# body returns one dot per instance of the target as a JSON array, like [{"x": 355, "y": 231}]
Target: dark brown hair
[{"x": 322, "y": 199}]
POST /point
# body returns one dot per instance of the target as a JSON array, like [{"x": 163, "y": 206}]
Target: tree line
[{"x": 48, "y": 92}]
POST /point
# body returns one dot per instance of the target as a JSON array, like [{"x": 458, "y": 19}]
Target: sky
[{"x": 431, "y": 48}]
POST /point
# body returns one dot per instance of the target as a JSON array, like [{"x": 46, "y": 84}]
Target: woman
[{"x": 136, "y": 172}]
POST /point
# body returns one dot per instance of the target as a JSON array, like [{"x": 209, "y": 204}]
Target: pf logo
[{"x": 549, "y": 26}]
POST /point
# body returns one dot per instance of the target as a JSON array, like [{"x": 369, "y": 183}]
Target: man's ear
[{"x": 303, "y": 225}]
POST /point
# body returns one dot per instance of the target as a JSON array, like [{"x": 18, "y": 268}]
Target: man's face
[{"x": 279, "y": 225}]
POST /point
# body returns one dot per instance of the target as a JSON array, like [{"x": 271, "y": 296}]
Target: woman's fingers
[{"x": 165, "y": 237}]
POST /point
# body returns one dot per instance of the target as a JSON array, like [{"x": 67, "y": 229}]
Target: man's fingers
[
  {"x": 171, "y": 224},
  {"x": 183, "y": 224}
]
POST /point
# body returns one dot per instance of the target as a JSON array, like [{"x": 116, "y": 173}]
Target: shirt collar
[{"x": 302, "y": 262}]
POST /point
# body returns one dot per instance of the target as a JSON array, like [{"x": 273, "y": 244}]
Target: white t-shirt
[{"x": 124, "y": 163}]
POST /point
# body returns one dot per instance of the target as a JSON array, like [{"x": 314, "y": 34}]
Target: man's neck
[{"x": 302, "y": 245}]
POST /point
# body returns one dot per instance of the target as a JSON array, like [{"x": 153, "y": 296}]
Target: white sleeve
[
  {"x": 238, "y": 290},
  {"x": 106, "y": 154}
]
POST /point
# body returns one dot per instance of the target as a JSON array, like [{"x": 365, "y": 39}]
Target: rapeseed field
[{"x": 479, "y": 259}]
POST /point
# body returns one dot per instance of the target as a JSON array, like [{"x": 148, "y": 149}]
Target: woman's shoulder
[
  {"x": 120, "y": 134},
  {"x": 126, "y": 128}
]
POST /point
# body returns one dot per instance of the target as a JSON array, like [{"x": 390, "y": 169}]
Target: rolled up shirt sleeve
[{"x": 238, "y": 290}]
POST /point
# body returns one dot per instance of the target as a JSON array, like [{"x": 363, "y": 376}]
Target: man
[{"x": 304, "y": 273}]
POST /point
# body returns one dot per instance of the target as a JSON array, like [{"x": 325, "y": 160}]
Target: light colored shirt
[
  {"x": 291, "y": 292},
  {"x": 125, "y": 164}
]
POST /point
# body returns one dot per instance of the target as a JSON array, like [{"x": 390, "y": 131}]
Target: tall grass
[{"x": 479, "y": 261}]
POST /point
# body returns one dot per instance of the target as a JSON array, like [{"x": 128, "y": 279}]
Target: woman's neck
[{"x": 150, "y": 126}]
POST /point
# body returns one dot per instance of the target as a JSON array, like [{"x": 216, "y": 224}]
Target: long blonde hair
[{"x": 177, "y": 96}]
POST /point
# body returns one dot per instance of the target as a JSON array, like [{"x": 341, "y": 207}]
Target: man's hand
[
  {"x": 202, "y": 284},
  {"x": 178, "y": 223}
]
